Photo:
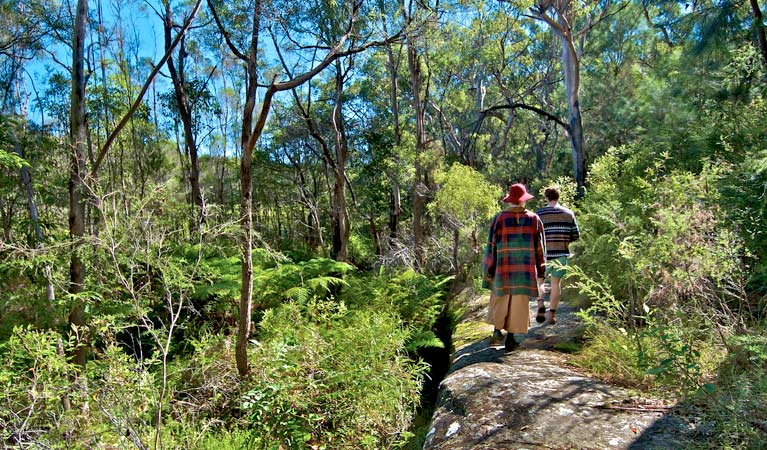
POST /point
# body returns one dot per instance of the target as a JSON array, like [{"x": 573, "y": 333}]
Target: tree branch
[
  {"x": 144, "y": 89},
  {"x": 228, "y": 39},
  {"x": 535, "y": 109}
]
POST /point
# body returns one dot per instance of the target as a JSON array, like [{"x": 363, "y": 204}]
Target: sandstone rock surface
[{"x": 530, "y": 398}]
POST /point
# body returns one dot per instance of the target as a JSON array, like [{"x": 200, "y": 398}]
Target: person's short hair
[{"x": 551, "y": 194}]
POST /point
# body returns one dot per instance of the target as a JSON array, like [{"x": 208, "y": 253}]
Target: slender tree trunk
[
  {"x": 246, "y": 199},
  {"x": 759, "y": 26},
  {"x": 77, "y": 174},
  {"x": 456, "y": 241},
  {"x": 395, "y": 208},
  {"x": 7, "y": 219},
  {"x": 395, "y": 200},
  {"x": 414, "y": 65},
  {"x": 375, "y": 234},
  {"x": 571, "y": 64},
  {"x": 184, "y": 108},
  {"x": 250, "y": 134},
  {"x": 471, "y": 157},
  {"x": 340, "y": 215},
  {"x": 26, "y": 180},
  {"x": 563, "y": 28}
]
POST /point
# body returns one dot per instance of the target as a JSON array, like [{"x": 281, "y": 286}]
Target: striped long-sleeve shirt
[
  {"x": 514, "y": 255},
  {"x": 561, "y": 229}
]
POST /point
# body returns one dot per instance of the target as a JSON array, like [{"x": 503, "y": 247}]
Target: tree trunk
[
  {"x": 340, "y": 215},
  {"x": 375, "y": 234},
  {"x": 77, "y": 174},
  {"x": 246, "y": 199},
  {"x": 395, "y": 208},
  {"x": 571, "y": 65},
  {"x": 414, "y": 65},
  {"x": 456, "y": 240},
  {"x": 184, "y": 109},
  {"x": 250, "y": 134},
  {"x": 246, "y": 244},
  {"x": 395, "y": 200},
  {"x": 759, "y": 27},
  {"x": 26, "y": 180}
]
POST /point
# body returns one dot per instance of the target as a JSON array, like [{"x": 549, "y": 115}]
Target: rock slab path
[{"x": 530, "y": 399}]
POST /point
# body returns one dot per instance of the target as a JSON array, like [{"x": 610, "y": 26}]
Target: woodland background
[{"x": 239, "y": 224}]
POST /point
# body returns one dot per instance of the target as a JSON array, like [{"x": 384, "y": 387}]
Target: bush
[
  {"x": 737, "y": 407},
  {"x": 659, "y": 260},
  {"x": 613, "y": 355},
  {"x": 330, "y": 378},
  {"x": 114, "y": 408},
  {"x": 34, "y": 376}
]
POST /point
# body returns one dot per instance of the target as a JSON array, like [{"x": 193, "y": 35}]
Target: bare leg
[
  {"x": 554, "y": 297},
  {"x": 556, "y": 292},
  {"x": 539, "y": 316}
]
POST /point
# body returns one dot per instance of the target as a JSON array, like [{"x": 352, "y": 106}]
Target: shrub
[
  {"x": 659, "y": 260},
  {"x": 417, "y": 299},
  {"x": 330, "y": 378},
  {"x": 737, "y": 407}
]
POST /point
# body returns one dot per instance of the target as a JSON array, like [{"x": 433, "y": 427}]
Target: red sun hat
[{"x": 517, "y": 194}]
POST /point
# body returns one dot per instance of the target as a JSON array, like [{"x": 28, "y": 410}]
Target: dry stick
[
  {"x": 636, "y": 408},
  {"x": 144, "y": 89}
]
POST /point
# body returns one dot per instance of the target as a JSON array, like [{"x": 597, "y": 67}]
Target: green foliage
[
  {"x": 361, "y": 250},
  {"x": 678, "y": 358},
  {"x": 299, "y": 281},
  {"x": 465, "y": 196},
  {"x": 37, "y": 381},
  {"x": 660, "y": 262},
  {"x": 663, "y": 243},
  {"x": 205, "y": 381},
  {"x": 11, "y": 160},
  {"x": 34, "y": 378},
  {"x": 417, "y": 299},
  {"x": 737, "y": 404},
  {"x": 614, "y": 355},
  {"x": 335, "y": 381}
]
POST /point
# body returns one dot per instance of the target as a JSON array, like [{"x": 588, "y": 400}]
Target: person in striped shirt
[
  {"x": 513, "y": 266},
  {"x": 561, "y": 229}
]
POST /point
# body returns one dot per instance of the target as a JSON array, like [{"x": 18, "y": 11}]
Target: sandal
[
  {"x": 552, "y": 316},
  {"x": 540, "y": 315}
]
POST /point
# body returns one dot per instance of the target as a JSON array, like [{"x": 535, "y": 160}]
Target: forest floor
[{"x": 531, "y": 398}]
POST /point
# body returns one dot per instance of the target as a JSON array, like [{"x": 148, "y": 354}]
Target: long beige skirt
[{"x": 509, "y": 312}]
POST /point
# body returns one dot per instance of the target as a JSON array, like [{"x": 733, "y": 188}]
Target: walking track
[{"x": 531, "y": 399}]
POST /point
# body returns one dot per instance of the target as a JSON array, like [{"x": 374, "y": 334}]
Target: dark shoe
[
  {"x": 496, "y": 338},
  {"x": 510, "y": 343},
  {"x": 551, "y": 316},
  {"x": 540, "y": 316}
]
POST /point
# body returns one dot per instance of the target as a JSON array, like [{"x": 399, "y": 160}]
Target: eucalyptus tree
[
  {"x": 759, "y": 26},
  {"x": 192, "y": 99},
  {"x": 80, "y": 174},
  {"x": 389, "y": 14},
  {"x": 242, "y": 25},
  {"x": 571, "y": 21},
  {"x": 22, "y": 36},
  {"x": 418, "y": 16}
]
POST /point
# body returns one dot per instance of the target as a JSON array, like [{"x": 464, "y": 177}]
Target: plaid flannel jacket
[{"x": 515, "y": 252}]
